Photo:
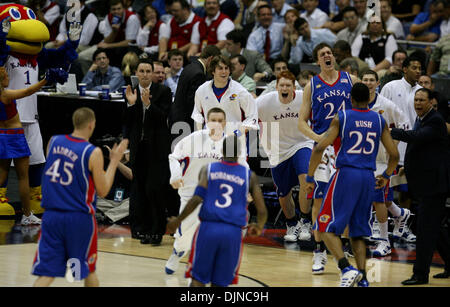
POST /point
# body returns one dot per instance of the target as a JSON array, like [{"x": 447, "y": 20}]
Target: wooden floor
[{"x": 124, "y": 262}]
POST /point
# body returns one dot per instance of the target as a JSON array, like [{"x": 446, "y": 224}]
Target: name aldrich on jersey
[
  {"x": 332, "y": 93},
  {"x": 60, "y": 150}
]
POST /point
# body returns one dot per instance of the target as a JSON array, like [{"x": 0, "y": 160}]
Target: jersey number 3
[
  {"x": 225, "y": 195},
  {"x": 55, "y": 174}
]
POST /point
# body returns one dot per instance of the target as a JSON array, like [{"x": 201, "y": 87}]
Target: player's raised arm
[
  {"x": 104, "y": 180},
  {"x": 174, "y": 222},
  {"x": 52, "y": 75},
  {"x": 316, "y": 156},
  {"x": 258, "y": 199},
  {"x": 305, "y": 113},
  {"x": 394, "y": 157}
]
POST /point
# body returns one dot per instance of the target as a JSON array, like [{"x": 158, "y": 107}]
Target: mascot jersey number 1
[{"x": 25, "y": 58}]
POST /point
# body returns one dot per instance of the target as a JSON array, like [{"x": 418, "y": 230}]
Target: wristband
[
  {"x": 200, "y": 191},
  {"x": 310, "y": 179},
  {"x": 386, "y": 175}
]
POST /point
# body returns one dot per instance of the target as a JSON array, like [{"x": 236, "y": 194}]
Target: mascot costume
[{"x": 25, "y": 57}]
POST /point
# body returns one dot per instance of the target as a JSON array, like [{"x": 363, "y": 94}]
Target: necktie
[
  {"x": 416, "y": 124},
  {"x": 267, "y": 46}
]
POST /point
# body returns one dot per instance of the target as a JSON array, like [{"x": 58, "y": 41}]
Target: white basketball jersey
[
  {"x": 21, "y": 77},
  {"x": 190, "y": 155},
  {"x": 394, "y": 118},
  {"x": 280, "y": 136},
  {"x": 237, "y": 103}
]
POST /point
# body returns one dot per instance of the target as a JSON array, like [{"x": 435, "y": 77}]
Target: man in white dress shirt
[
  {"x": 175, "y": 68},
  {"x": 393, "y": 24},
  {"x": 316, "y": 17},
  {"x": 279, "y": 8},
  {"x": 267, "y": 39},
  {"x": 309, "y": 38},
  {"x": 353, "y": 25}
]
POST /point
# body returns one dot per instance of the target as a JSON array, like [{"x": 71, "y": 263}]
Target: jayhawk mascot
[{"x": 25, "y": 57}]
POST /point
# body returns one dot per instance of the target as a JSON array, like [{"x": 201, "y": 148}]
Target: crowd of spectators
[{"x": 262, "y": 32}]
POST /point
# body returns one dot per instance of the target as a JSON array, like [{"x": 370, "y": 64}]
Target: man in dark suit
[
  {"x": 192, "y": 76},
  {"x": 256, "y": 68},
  {"x": 427, "y": 170},
  {"x": 146, "y": 128}
]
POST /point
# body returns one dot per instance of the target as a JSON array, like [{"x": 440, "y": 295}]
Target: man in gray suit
[{"x": 257, "y": 68}]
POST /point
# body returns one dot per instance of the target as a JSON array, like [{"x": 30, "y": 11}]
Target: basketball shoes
[
  {"x": 173, "y": 262},
  {"x": 305, "y": 230},
  {"x": 363, "y": 283},
  {"x": 401, "y": 229},
  {"x": 292, "y": 233},
  {"x": 30, "y": 220},
  {"x": 383, "y": 248},
  {"x": 319, "y": 262},
  {"x": 350, "y": 277}
]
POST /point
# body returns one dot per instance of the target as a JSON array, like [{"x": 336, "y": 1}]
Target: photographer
[{"x": 115, "y": 205}]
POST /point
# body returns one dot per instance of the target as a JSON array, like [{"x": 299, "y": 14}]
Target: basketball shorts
[
  {"x": 324, "y": 171},
  {"x": 348, "y": 201},
  {"x": 34, "y": 139},
  {"x": 401, "y": 187},
  {"x": 285, "y": 175},
  {"x": 13, "y": 144},
  {"x": 216, "y": 254},
  {"x": 67, "y": 239},
  {"x": 386, "y": 193}
]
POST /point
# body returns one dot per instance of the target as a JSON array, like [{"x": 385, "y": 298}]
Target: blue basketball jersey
[
  {"x": 67, "y": 183},
  {"x": 328, "y": 99},
  {"x": 360, "y": 133},
  {"x": 226, "y": 200}
]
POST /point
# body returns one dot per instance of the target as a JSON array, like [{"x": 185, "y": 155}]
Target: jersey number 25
[{"x": 357, "y": 148}]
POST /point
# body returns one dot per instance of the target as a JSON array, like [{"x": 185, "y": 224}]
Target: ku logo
[
  {"x": 381, "y": 111},
  {"x": 318, "y": 85},
  {"x": 91, "y": 260},
  {"x": 233, "y": 97},
  {"x": 324, "y": 218}
]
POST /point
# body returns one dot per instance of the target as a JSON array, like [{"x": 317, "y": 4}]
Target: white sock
[
  {"x": 395, "y": 210},
  {"x": 384, "y": 230}
]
